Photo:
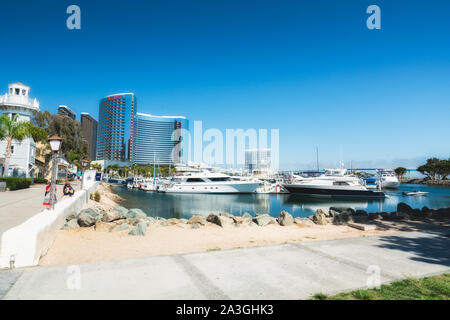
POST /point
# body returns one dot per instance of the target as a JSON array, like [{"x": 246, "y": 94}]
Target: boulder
[
  {"x": 85, "y": 220},
  {"x": 113, "y": 216},
  {"x": 285, "y": 219},
  {"x": 172, "y": 221},
  {"x": 197, "y": 219},
  {"x": 247, "y": 216},
  {"x": 303, "y": 221},
  {"x": 404, "y": 208},
  {"x": 263, "y": 219},
  {"x": 320, "y": 217},
  {"x": 375, "y": 216},
  {"x": 122, "y": 227},
  {"x": 238, "y": 220},
  {"x": 71, "y": 216},
  {"x": 90, "y": 212},
  {"x": 333, "y": 213},
  {"x": 361, "y": 213},
  {"x": 135, "y": 214},
  {"x": 443, "y": 212},
  {"x": 343, "y": 217},
  {"x": 323, "y": 211},
  {"x": 121, "y": 210},
  {"x": 344, "y": 209},
  {"x": 71, "y": 224},
  {"x": 221, "y": 221},
  {"x": 425, "y": 209},
  {"x": 103, "y": 226},
  {"x": 139, "y": 230}
]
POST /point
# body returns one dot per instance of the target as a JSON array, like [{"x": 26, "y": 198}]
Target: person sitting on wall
[{"x": 68, "y": 190}]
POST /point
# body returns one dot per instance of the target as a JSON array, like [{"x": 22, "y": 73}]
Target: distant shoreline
[{"x": 426, "y": 181}]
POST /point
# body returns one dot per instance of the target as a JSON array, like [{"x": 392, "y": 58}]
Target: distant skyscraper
[
  {"x": 157, "y": 139},
  {"x": 257, "y": 159},
  {"x": 89, "y": 129},
  {"x": 66, "y": 111},
  {"x": 116, "y": 127}
]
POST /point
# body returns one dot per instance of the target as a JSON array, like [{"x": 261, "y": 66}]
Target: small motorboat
[{"x": 415, "y": 193}]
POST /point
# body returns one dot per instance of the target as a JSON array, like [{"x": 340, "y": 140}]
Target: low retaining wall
[{"x": 31, "y": 240}]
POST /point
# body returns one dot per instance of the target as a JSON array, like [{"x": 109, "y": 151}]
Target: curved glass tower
[
  {"x": 158, "y": 139},
  {"x": 115, "y": 133}
]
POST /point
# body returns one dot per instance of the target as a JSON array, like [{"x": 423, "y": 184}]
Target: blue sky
[{"x": 309, "y": 68}]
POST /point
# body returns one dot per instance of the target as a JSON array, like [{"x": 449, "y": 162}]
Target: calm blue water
[{"x": 185, "y": 205}]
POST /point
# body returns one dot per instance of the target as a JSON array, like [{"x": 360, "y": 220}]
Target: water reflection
[{"x": 186, "y": 205}]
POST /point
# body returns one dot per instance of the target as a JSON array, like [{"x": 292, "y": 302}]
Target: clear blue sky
[{"x": 309, "y": 68}]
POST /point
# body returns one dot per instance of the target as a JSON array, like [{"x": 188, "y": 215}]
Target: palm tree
[{"x": 11, "y": 129}]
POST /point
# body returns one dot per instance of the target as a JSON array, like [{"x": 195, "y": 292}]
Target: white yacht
[
  {"x": 207, "y": 182},
  {"x": 333, "y": 183},
  {"x": 388, "y": 179}
]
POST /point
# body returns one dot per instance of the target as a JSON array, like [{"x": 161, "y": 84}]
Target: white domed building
[{"x": 17, "y": 102}]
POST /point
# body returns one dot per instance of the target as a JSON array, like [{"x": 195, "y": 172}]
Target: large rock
[
  {"x": 285, "y": 219},
  {"x": 197, "y": 219},
  {"x": 263, "y": 220},
  {"x": 135, "y": 214},
  {"x": 113, "y": 216},
  {"x": 172, "y": 221},
  {"x": 122, "y": 227},
  {"x": 320, "y": 218},
  {"x": 344, "y": 209},
  {"x": 85, "y": 220},
  {"x": 71, "y": 224},
  {"x": 121, "y": 209},
  {"x": 90, "y": 212},
  {"x": 303, "y": 221},
  {"x": 343, "y": 217},
  {"x": 247, "y": 216},
  {"x": 221, "y": 221},
  {"x": 71, "y": 216},
  {"x": 360, "y": 213},
  {"x": 323, "y": 211},
  {"x": 139, "y": 230},
  {"x": 404, "y": 208}
]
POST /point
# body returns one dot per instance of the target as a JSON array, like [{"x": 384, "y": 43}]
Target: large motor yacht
[
  {"x": 333, "y": 183},
  {"x": 388, "y": 179},
  {"x": 208, "y": 182}
]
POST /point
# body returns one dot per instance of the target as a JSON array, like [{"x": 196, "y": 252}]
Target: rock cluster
[{"x": 135, "y": 221}]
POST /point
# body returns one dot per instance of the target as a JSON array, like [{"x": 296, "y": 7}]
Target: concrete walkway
[
  {"x": 290, "y": 271},
  {"x": 18, "y": 206}
]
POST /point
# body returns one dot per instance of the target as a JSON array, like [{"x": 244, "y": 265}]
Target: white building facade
[
  {"x": 17, "y": 102},
  {"x": 258, "y": 160}
]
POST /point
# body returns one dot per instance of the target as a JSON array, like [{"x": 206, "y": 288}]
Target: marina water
[{"x": 171, "y": 205}]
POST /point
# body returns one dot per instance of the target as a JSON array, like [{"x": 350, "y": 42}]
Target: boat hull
[
  {"x": 213, "y": 188},
  {"x": 335, "y": 192}
]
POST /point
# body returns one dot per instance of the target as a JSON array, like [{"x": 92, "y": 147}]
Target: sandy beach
[
  {"x": 91, "y": 244},
  {"x": 84, "y": 245}
]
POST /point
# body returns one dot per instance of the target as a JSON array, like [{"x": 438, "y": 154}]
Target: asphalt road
[{"x": 289, "y": 271}]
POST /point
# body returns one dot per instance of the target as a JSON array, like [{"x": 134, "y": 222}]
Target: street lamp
[
  {"x": 55, "y": 144},
  {"x": 84, "y": 164}
]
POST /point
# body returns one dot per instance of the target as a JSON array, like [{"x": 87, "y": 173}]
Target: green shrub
[
  {"x": 40, "y": 180},
  {"x": 16, "y": 183},
  {"x": 97, "y": 196}
]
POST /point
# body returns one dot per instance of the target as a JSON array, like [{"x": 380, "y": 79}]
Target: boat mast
[{"x": 317, "y": 159}]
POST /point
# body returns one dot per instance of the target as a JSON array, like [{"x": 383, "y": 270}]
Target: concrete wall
[{"x": 31, "y": 240}]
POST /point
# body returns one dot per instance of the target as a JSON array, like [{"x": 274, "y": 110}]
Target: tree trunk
[{"x": 7, "y": 156}]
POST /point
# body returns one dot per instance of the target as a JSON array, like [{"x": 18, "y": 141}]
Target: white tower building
[{"x": 17, "y": 102}]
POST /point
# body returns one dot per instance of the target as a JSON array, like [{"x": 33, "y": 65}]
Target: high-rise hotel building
[
  {"x": 115, "y": 134},
  {"x": 89, "y": 128},
  {"x": 160, "y": 139}
]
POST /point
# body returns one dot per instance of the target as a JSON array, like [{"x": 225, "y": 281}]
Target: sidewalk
[
  {"x": 18, "y": 206},
  {"x": 290, "y": 271}
]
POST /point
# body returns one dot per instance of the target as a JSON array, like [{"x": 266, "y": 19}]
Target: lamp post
[
  {"x": 84, "y": 164},
  {"x": 55, "y": 144}
]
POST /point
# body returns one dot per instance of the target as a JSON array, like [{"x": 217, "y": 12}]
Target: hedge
[
  {"x": 16, "y": 183},
  {"x": 40, "y": 180}
]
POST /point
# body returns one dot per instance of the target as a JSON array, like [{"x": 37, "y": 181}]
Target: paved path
[
  {"x": 290, "y": 271},
  {"x": 18, "y": 206}
]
